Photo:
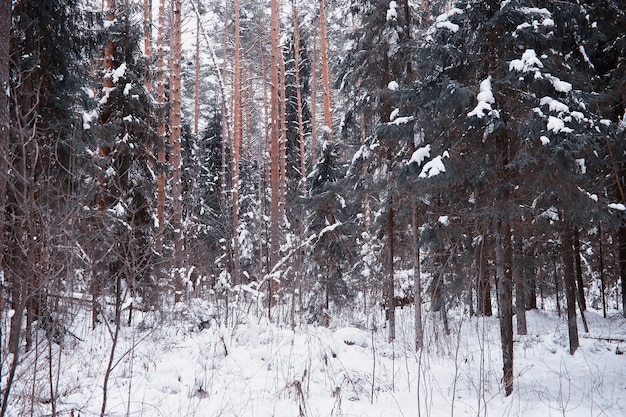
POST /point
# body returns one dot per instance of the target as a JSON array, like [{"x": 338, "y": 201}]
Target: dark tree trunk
[
  {"x": 622, "y": 263},
  {"x": 601, "y": 267},
  {"x": 557, "y": 287},
  {"x": 505, "y": 302},
  {"x": 531, "y": 289},
  {"x": 5, "y": 120},
  {"x": 390, "y": 285},
  {"x": 567, "y": 248},
  {"x": 579, "y": 272},
  {"x": 483, "y": 304},
  {"x": 520, "y": 287}
]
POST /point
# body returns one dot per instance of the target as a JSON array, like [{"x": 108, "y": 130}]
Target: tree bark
[
  {"x": 161, "y": 130},
  {"x": 484, "y": 281},
  {"x": 296, "y": 41},
  {"x": 520, "y": 287},
  {"x": 417, "y": 279},
  {"x": 579, "y": 273},
  {"x": 327, "y": 95},
  {"x": 196, "y": 104},
  {"x": 390, "y": 283},
  {"x": 505, "y": 302},
  {"x": 567, "y": 246},
  {"x": 147, "y": 46},
  {"x": 237, "y": 139},
  {"x": 5, "y": 119},
  {"x": 175, "y": 146},
  {"x": 314, "y": 97},
  {"x": 274, "y": 147},
  {"x": 622, "y": 263},
  {"x": 601, "y": 267}
]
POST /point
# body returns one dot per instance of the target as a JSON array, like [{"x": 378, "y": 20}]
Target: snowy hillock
[{"x": 254, "y": 368}]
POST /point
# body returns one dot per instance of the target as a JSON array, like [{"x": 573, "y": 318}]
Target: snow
[
  {"x": 442, "y": 21},
  {"x": 119, "y": 72},
  {"x": 554, "y": 105},
  {"x": 402, "y": 120},
  {"x": 485, "y": 100},
  {"x": 445, "y": 220},
  {"x": 392, "y": 12},
  {"x": 393, "y": 86},
  {"x": 557, "y": 125},
  {"x": 617, "y": 206},
  {"x": 581, "y": 48},
  {"x": 198, "y": 366},
  {"x": 544, "y": 140},
  {"x": 560, "y": 86},
  {"x": 528, "y": 63},
  {"x": 88, "y": 117},
  {"x": 434, "y": 167},
  {"x": 420, "y": 154},
  {"x": 452, "y": 27}
]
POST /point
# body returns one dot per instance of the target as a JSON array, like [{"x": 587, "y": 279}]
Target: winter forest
[{"x": 312, "y": 208}]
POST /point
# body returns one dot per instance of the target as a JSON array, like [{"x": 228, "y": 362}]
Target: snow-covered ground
[{"x": 256, "y": 369}]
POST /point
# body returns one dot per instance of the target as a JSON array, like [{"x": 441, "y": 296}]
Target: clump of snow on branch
[
  {"x": 392, "y": 12},
  {"x": 434, "y": 167},
  {"x": 617, "y": 206},
  {"x": 119, "y": 72},
  {"x": 442, "y": 21},
  {"x": 420, "y": 154},
  {"x": 393, "y": 85},
  {"x": 485, "y": 100},
  {"x": 557, "y": 125},
  {"x": 528, "y": 63}
]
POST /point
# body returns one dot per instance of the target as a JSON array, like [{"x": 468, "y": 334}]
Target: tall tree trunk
[
  {"x": 622, "y": 263},
  {"x": 274, "y": 147},
  {"x": 579, "y": 273},
  {"x": 283, "y": 132},
  {"x": 557, "y": 286},
  {"x": 567, "y": 246},
  {"x": 390, "y": 283},
  {"x": 296, "y": 41},
  {"x": 196, "y": 103},
  {"x": 5, "y": 119},
  {"x": 417, "y": 279},
  {"x": 237, "y": 139},
  {"x": 175, "y": 146},
  {"x": 505, "y": 301},
  {"x": 601, "y": 267},
  {"x": 147, "y": 46},
  {"x": 483, "y": 298},
  {"x": 314, "y": 97},
  {"x": 161, "y": 180},
  {"x": 520, "y": 287},
  {"x": 327, "y": 95}
]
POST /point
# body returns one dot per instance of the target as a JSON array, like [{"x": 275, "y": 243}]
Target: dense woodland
[{"x": 309, "y": 158}]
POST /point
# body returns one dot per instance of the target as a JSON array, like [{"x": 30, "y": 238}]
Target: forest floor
[{"x": 256, "y": 369}]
